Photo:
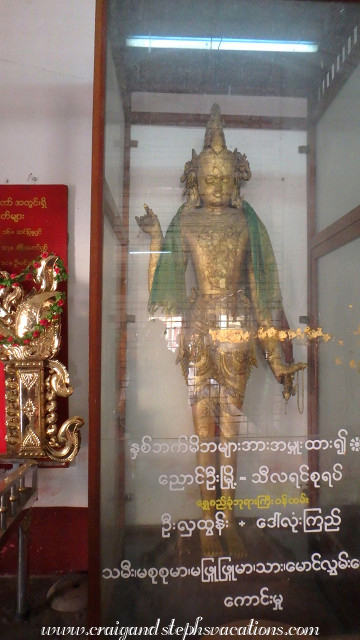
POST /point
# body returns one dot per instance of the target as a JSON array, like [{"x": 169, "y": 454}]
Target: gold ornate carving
[
  {"x": 28, "y": 379},
  {"x": 63, "y": 443},
  {"x": 30, "y": 338},
  {"x": 29, "y": 409},
  {"x": 31, "y": 439},
  {"x": 59, "y": 380}
]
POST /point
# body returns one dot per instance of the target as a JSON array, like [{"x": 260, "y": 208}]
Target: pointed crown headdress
[{"x": 214, "y": 144}]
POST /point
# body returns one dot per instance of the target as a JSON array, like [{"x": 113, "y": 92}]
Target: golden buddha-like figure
[{"x": 236, "y": 302}]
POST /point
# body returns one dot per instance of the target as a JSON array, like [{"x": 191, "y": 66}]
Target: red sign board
[{"x": 33, "y": 219}]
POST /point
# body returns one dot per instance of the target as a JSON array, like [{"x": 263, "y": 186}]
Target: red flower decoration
[
  {"x": 45, "y": 254},
  {"x": 26, "y": 341},
  {"x": 44, "y": 322},
  {"x": 13, "y": 276},
  {"x": 36, "y": 334},
  {"x": 10, "y": 339},
  {"x": 36, "y": 265},
  {"x": 60, "y": 302},
  {"x": 28, "y": 276}
]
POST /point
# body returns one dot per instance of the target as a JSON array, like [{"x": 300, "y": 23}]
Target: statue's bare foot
[
  {"x": 211, "y": 546},
  {"x": 235, "y": 545}
]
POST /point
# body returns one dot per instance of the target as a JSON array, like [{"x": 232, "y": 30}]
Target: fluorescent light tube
[{"x": 220, "y": 44}]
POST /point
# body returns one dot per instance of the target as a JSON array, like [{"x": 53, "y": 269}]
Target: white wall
[{"x": 46, "y": 72}]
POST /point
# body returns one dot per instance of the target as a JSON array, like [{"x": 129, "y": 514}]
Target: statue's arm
[
  {"x": 149, "y": 223},
  {"x": 271, "y": 347}
]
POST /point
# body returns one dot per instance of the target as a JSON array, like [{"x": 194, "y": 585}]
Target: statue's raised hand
[{"x": 149, "y": 223}]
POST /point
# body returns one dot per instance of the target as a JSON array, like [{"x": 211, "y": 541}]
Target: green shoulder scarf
[{"x": 169, "y": 289}]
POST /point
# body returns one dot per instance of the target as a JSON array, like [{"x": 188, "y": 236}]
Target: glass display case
[{"x": 224, "y": 485}]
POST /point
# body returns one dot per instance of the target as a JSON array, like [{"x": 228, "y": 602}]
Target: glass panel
[
  {"x": 114, "y": 136},
  {"x": 338, "y": 155},
  {"x": 280, "y": 187},
  {"x": 111, "y": 485},
  {"x": 221, "y": 503},
  {"x": 111, "y": 489},
  {"x": 339, "y": 307}
]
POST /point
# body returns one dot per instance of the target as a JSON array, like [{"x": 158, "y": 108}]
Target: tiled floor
[{"x": 41, "y": 614}]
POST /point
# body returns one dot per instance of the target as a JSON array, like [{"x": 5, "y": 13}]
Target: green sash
[{"x": 169, "y": 289}]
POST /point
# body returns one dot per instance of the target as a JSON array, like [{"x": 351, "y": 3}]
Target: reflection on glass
[
  {"x": 223, "y": 504},
  {"x": 236, "y": 301}
]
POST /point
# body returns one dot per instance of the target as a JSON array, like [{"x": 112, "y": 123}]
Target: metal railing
[{"x": 18, "y": 492}]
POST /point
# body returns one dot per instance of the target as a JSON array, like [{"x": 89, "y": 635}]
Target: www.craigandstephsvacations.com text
[{"x": 253, "y": 628}]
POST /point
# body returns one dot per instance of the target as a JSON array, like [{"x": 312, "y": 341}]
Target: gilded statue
[{"x": 236, "y": 302}]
